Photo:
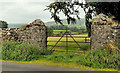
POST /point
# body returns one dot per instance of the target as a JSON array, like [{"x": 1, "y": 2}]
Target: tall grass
[
  {"x": 101, "y": 58},
  {"x": 21, "y": 51}
]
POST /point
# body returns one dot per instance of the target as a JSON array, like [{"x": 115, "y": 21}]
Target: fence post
[{"x": 66, "y": 40}]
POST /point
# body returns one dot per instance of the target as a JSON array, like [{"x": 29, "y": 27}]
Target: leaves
[
  {"x": 3, "y": 24},
  {"x": 67, "y": 8}
]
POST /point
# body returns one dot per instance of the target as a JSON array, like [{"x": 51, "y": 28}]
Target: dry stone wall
[
  {"x": 9, "y": 34},
  {"x": 34, "y": 33},
  {"x": 103, "y": 31}
]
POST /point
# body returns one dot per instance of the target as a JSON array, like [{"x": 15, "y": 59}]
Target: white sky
[{"x": 25, "y": 11}]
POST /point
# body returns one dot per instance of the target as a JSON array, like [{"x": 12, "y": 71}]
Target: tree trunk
[{"x": 88, "y": 25}]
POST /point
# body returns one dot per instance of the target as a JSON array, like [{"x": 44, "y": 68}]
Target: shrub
[{"x": 3, "y": 24}]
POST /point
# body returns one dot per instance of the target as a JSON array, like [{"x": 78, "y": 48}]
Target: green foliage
[
  {"x": 21, "y": 52},
  {"x": 101, "y": 58},
  {"x": 3, "y": 24},
  {"x": 57, "y": 7},
  {"x": 75, "y": 32},
  {"x": 72, "y": 28},
  {"x": 59, "y": 27},
  {"x": 108, "y": 8},
  {"x": 97, "y": 59},
  {"x": 50, "y": 31}
]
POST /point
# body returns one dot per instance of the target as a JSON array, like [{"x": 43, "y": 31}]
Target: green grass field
[
  {"x": 63, "y": 31},
  {"x": 71, "y": 45}
]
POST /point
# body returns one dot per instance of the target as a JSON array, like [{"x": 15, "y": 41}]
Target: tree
[
  {"x": 3, "y": 24},
  {"x": 50, "y": 31},
  {"x": 90, "y": 8},
  {"x": 108, "y": 8}
]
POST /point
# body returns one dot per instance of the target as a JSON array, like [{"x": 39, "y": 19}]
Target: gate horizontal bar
[
  {"x": 73, "y": 36},
  {"x": 63, "y": 46},
  {"x": 69, "y": 41},
  {"x": 68, "y": 51}
]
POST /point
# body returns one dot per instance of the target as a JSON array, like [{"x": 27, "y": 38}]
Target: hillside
[
  {"x": 78, "y": 22},
  {"x": 14, "y": 25}
]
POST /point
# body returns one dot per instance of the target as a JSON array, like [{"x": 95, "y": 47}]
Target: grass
[
  {"x": 100, "y": 59},
  {"x": 20, "y": 51},
  {"x": 69, "y": 39},
  {"x": 84, "y": 46},
  {"x": 72, "y": 45},
  {"x": 55, "y": 32}
]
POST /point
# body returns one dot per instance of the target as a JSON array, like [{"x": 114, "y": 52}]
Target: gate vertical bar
[{"x": 66, "y": 40}]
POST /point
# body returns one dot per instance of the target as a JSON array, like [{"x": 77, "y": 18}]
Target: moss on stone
[{"x": 23, "y": 26}]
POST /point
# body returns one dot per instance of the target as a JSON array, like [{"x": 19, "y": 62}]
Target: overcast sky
[{"x": 25, "y": 11}]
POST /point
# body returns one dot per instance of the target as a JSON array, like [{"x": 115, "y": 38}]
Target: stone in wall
[
  {"x": 104, "y": 31},
  {"x": 9, "y": 34},
  {"x": 34, "y": 33}
]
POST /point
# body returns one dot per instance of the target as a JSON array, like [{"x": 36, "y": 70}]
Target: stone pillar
[{"x": 103, "y": 31}]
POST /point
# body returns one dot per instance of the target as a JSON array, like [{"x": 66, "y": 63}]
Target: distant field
[
  {"x": 58, "y": 31},
  {"x": 85, "y": 46},
  {"x": 63, "y": 31}
]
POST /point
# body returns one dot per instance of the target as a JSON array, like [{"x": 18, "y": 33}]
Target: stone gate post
[{"x": 103, "y": 31}]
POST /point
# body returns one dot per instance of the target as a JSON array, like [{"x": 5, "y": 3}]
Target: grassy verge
[{"x": 69, "y": 65}]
